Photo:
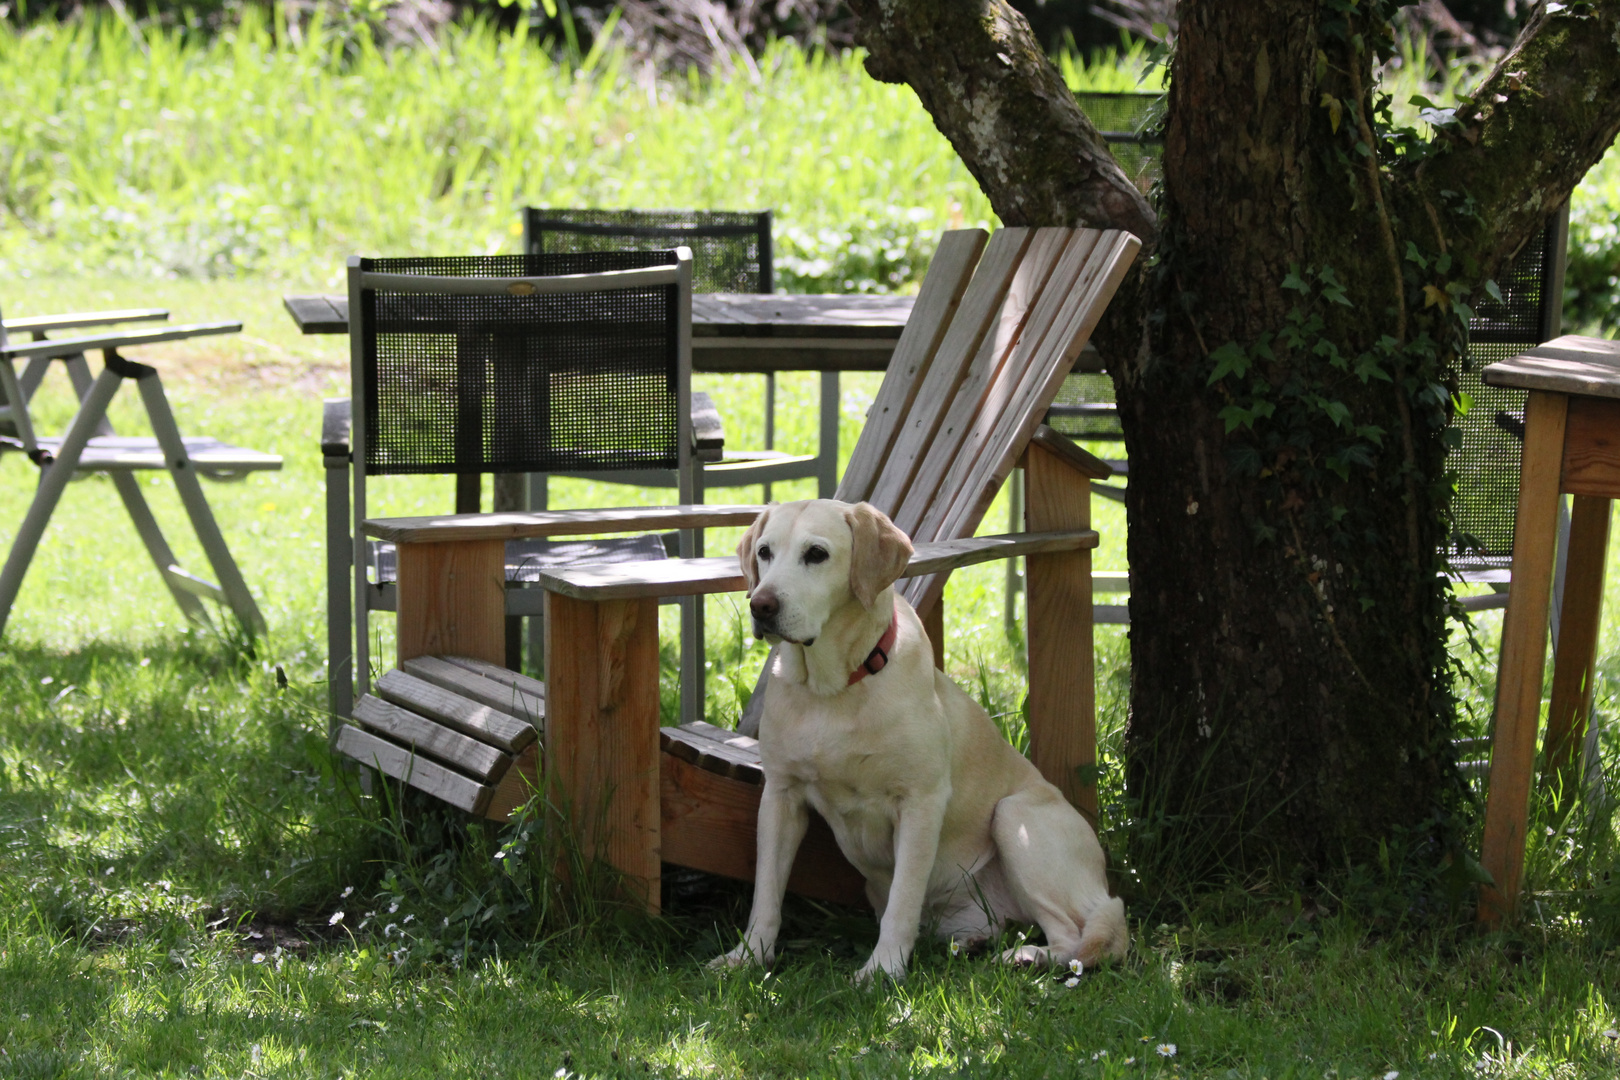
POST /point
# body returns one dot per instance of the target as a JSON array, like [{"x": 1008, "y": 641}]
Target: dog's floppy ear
[
  {"x": 878, "y": 552},
  {"x": 745, "y": 549}
]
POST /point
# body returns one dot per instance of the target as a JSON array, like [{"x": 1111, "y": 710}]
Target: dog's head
[{"x": 804, "y": 561}]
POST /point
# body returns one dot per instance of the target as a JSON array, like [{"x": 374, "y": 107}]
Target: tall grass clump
[{"x": 274, "y": 155}]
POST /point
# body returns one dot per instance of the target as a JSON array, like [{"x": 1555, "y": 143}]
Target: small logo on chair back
[{"x": 520, "y": 288}]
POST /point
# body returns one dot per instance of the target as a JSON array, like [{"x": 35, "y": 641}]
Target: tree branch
[
  {"x": 991, "y": 90},
  {"x": 1543, "y": 117}
]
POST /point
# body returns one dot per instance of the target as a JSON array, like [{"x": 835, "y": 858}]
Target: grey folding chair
[
  {"x": 506, "y": 364},
  {"x": 91, "y": 446},
  {"x": 731, "y": 253}
]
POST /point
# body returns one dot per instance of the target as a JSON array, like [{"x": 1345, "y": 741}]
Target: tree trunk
[{"x": 1285, "y": 411}]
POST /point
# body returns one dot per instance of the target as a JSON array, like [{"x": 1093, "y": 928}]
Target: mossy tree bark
[{"x": 1281, "y": 367}]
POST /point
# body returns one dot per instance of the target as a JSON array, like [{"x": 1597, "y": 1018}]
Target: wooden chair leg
[
  {"x": 601, "y": 740},
  {"x": 1062, "y": 677},
  {"x": 1579, "y": 617},
  {"x": 1524, "y": 644}
]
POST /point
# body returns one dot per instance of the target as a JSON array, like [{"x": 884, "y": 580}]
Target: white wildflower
[
  {"x": 337, "y": 917},
  {"x": 1071, "y": 982},
  {"x": 347, "y": 891},
  {"x": 258, "y": 958},
  {"x": 1167, "y": 1049}
]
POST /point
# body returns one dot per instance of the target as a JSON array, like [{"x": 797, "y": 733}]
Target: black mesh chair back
[
  {"x": 473, "y": 365},
  {"x": 1084, "y": 408},
  {"x": 1492, "y": 426},
  {"x": 577, "y": 362},
  {"x": 731, "y": 250}
]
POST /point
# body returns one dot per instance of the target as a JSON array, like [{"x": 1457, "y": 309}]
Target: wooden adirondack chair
[{"x": 995, "y": 329}]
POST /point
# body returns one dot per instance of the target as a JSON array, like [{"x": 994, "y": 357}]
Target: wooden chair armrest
[
  {"x": 698, "y": 577},
  {"x": 708, "y": 432},
  {"x": 1071, "y": 454},
  {"x": 39, "y": 324},
  {"x": 337, "y": 418},
  {"x": 450, "y": 528},
  {"x": 74, "y": 346}
]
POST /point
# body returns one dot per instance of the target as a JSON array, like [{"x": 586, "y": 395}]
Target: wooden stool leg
[
  {"x": 1577, "y": 652},
  {"x": 601, "y": 740},
  {"x": 1524, "y": 641},
  {"x": 452, "y": 600},
  {"x": 1062, "y": 677}
]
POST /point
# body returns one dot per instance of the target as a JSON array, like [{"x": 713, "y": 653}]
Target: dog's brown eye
[
  {"x": 815, "y": 555},
  {"x": 764, "y": 553}
]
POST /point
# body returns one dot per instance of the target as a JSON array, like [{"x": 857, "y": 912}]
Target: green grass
[{"x": 174, "y": 840}]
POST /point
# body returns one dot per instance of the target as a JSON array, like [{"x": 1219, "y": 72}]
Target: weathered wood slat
[
  {"x": 968, "y": 419},
  {"x": 972, "y": 334},
  {"x": 978, "y": 472},
  {"x": 710, "y": 823},
  {"x": 415, "y": 770},
  {"x": 714, "y": 749},
  {"x": 468, "y": 717},
  {"x": 1013, "y": 401},
  {"x": 505, "y": 676},
  {"x": 480, "y": 760},
  {"x": 449, "y": 675},
  {"x": 1571, "y": 364},
  {"x": 947, "y": 280},
  {"x": 524, "y": 526}
]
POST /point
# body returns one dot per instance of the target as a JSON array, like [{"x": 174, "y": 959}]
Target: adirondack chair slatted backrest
[{"x": 962, "y": 400}]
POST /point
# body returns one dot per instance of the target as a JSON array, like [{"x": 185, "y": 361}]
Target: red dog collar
[{"x": 878, "y": 658}]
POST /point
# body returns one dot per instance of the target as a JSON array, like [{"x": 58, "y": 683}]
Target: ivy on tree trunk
[{"x": 1283, "y": 363}]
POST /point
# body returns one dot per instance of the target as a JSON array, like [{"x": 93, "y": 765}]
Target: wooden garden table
[
  {"x": 1571, "y": 446},
  {"x": 748, "y": 333}
]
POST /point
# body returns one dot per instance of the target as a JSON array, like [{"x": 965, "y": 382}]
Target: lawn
[{"x": 189, "y": 887}]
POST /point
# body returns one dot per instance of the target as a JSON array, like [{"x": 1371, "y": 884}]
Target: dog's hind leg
[{"x": 1054, "y": 869}]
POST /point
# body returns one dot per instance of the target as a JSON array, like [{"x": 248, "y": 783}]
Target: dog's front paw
[
  {"x": 744, "y": 955},
  {"x": 890, "y": 962}
]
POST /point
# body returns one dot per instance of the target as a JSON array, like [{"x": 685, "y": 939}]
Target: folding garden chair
[
  {"x": 91, "y": 446},
  {"x": 503, "y": 364}
]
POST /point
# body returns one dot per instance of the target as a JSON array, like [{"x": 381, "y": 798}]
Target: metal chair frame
[{"x": 345, "y": 448}]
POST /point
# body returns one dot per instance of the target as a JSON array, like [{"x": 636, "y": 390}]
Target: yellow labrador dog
[{"x": 948, "y": 822}]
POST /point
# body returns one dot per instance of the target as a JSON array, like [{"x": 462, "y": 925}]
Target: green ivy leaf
[{"x": 1230, "y": 359}]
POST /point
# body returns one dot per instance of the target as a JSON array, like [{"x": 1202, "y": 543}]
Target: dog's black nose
[{"x": 764, "y": 606}]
